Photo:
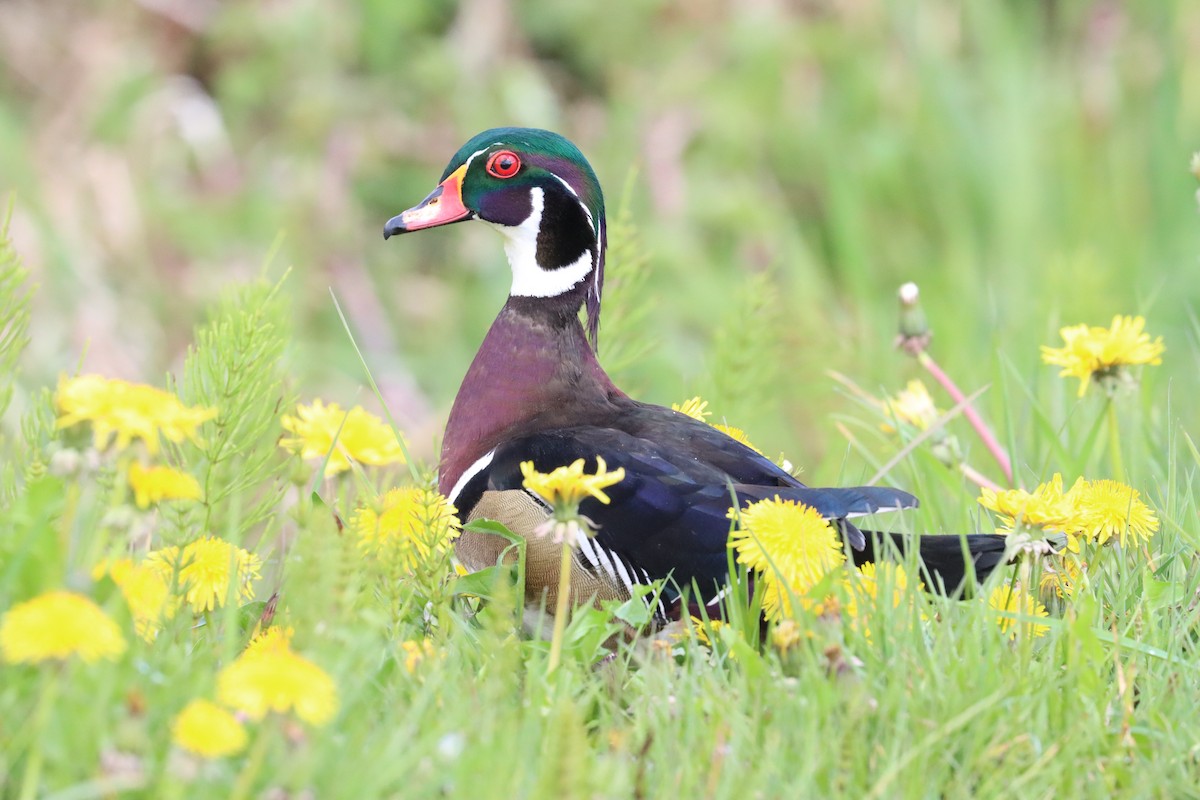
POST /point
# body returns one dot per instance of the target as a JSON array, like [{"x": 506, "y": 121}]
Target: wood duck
[{"x": 536, "y": 391}]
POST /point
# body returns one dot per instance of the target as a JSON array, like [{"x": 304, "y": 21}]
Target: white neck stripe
[
  {"x": 520, "y": 245},
  {"x": 595, "y": 229}
]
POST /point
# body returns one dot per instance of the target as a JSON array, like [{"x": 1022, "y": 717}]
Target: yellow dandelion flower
[
  {"x": 694, "y": 408},
  {"x": 1108, "y": 509},
  {"x": 418, "y": 652},
  {"x": 785, "y": 635},
  {"x": 566, "y": 487},
  {"x": 207, "y": 567},
  {"x": 1091, "y": 352},
  {"x": 1064, "y": 574},
  {"x": 273, "y": 638},
  {"x": 206, "y": 729},
  {"x": 281, "y": 681},
  {"x": 697, "y": 409},
  {"x": 127, "y": 411},
  {"x": 1046, "y": 507},
  {"x": 360, "y": 435},
  {"x": 863, "y": 595},
  {"x": 704, "y": 631},
  {"x": 737, "y": 434},
  {"x": 791, "y": 545},
  {"x": 1014, "y": 599},
  {"x": 146, "y": 588},
  {"x": 57, "y": 625},
  {"x": 912, "y": 405},
  {"x": 415, "y": 524},
  {"x": 155, "y": 484}
]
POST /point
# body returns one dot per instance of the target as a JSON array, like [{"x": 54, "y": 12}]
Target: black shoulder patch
[{"x": 565, "y": 233}]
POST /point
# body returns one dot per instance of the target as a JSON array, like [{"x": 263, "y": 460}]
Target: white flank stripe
[
  {"x": 471, "y": 472},
  {"x": 718, "y": 597},
  {"x": 662, "y": 610},
  {"x": 625, "y": 576},
  {"x": 587, "y": 548},
  {"x": 606, "y": 562}
]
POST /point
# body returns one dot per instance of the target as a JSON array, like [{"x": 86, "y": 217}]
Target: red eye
[{"x": 503, "y": 164}]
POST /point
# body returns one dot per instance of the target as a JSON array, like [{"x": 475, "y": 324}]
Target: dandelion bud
[
  {"x": 947, "y": 450},
  {"x": 565, "y": 531},
  {"x": 66, "y": 463},
  {"x": 914, "y": 333}
]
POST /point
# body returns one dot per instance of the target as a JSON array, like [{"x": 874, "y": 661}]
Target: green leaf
[
  {"x": 637, "y": 610},
  {"x": 481, "y": 584}
]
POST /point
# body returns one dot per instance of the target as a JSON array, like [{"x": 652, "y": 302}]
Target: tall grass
[{"x": 1025, "y": 164}]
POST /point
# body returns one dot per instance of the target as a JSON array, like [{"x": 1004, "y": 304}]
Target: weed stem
[
  {"x": 1114, "y": 442},
  {"x": 560, "y": 607},
  {"x": 33, "y": 766},
  {"x": 981, "y": 428}
]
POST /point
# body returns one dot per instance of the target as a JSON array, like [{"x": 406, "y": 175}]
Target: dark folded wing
[{"x": 668, "y": 517}]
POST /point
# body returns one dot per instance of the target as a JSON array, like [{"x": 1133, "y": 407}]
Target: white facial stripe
[
  {"x": 520, "y": 245},
  {"x": 471, "y": 471},
  {"x": 592, "y": 222},
  {"x": 467, "y": 163},
  {"x": 582, "y": 205}
]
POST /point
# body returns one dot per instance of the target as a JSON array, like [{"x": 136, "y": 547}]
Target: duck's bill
[{"x": 443, "y": 206}]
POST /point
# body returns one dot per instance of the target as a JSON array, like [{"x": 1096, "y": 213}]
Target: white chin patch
[{"x": 520, "y": 245}]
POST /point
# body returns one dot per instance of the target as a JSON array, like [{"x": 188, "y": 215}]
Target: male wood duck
[{"x": 536, "y": 392}]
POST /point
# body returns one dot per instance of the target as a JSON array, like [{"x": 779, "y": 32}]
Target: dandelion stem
[
  {"x": 976, "y": 477},
  {"x": 1114, "y": 442},
  {"x": 981, "y": 428},
  {"x": 33, "y": 766},
  {"x": 560, "y": 607},
  {"x": 254, "y": 762}
]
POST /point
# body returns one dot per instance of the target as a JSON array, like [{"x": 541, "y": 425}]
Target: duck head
[{"x": 538, "y": 190}]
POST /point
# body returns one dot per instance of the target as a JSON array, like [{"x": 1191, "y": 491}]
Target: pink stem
[
  {"x": 978, "y": 478},
  {"x": 981, "y": 428}
]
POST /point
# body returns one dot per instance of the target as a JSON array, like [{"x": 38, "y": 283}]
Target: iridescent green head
[{"x": 537, "y": 189}]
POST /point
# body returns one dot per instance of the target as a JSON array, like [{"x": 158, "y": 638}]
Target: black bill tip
[{"x": 394, "y": 227}]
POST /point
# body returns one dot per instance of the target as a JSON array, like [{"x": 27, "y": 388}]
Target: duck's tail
[{"x": 947, "y": 561}]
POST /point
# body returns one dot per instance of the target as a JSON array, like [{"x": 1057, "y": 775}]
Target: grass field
[{"x": 190, "y": 184}]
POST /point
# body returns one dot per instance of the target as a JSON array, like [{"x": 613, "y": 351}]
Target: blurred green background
[{"x": 788, "y": 165}]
